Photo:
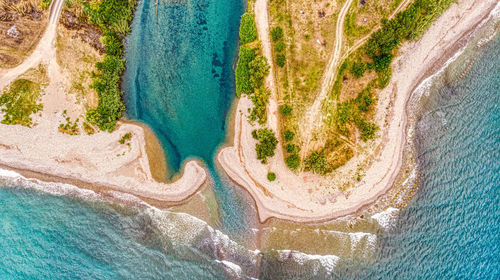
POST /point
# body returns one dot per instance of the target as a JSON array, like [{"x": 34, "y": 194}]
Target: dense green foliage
[
  {"x": 358, "y": 69},
  {"x": 279, "y": 47},
  {"x": 285, "y": 110},
  {"x": 280, "y": 59},
  {"x": 267, "y": 143},
  {"x": 289, "y": 135},
  {"x": 409, "y": 24},
  {"x": 260, "y": 98},
  {"x": 317, "y": 163},
  {"x": 242, "y": 73},
  {"x": 45, "y": 4},
  {"x": 19, "y": 102},
  {"x": 113, "y": 17},
  {"x": 248, "y": 31},
  {"x": 276, "y": 33},
  {"x": 293, "y": 161},
  {"x": 258, "y": 68},
  {"x": 271, "y": 176}
]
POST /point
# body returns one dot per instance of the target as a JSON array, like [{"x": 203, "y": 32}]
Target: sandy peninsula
[
  {"x": 306, "y": 197},
  {"x": 98, "y": 159}
]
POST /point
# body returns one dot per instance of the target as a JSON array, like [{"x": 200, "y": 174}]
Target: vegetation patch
[
  {"x": 69, "y": 127},
  {"x": 20, "y": 101},
  {"x": 113, "y": 17},
  {"x": 267, "y": 143},
  {"x": 271, "y": 176}
]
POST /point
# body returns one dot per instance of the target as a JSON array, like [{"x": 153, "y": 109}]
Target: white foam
[
  {"x": 328, "y": 262},
  {"x": 231, "y": 268},
  {"x": 8, "y": 174},
  {"x": 387, "y": 218}
]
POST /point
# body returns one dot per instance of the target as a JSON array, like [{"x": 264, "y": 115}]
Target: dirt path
[
  {"x": 311, "y": 117},
  {"x": 44, "y": 51}
]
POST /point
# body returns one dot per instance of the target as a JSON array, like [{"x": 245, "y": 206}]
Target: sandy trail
[
  {"x": 43, "y": 50},
  {"x": 305, "y": 197},
  {"x": 98, "y": 159},
  {"x": 311, "y": 121}
]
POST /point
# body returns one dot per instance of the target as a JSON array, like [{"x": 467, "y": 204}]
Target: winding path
[
  {"x": 314, "y": 111},
  {"x": 44, "y": 49}
]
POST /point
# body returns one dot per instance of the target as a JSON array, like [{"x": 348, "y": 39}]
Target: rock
[{"x": 13, "y": 32}]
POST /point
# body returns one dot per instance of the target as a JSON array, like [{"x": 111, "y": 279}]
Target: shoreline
[{"x": 272, "y": 202}]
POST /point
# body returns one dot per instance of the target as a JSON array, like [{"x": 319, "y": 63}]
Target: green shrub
[
  {"x": 367, "y": 129},
  {"x": 279, "y": 47},
  {"x": 242, "y": 73},
  {"x": 258, "y": 69},
  {"x": 267, "y": 143},
  {"x": 285, "y": 110},
  {"x": 382, "y": 62},
  {"x": 358, "y": 69},
  {"x": 291, "y": 148},
  {"x": 248, "y": 31},
  {"x": 293, "y": 161},
  {"x": 280, "y": 59},
  {"x": 276, "y": 33},
  {"x": 260, "y": 98},
  {"x": 317, "y": 163},
  {"x": 271, "y": 176},
  {"x": 289, "y": 135},
  {"x": 384, "y": 77}
]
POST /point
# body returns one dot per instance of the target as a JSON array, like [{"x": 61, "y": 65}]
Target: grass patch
[{"x": 20, "y": 101}]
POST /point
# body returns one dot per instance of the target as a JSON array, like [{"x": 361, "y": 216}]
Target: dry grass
[
  {"x": 30, "y": 21},
  {"x": 78, "y": 60}
]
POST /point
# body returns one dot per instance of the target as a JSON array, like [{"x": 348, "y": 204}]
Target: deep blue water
[{"x": 450, "y": 230}]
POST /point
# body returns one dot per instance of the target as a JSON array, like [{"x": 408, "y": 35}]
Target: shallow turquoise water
[
  {"x": 451, "y": 230},
  {"x": 179, "y": 77}
]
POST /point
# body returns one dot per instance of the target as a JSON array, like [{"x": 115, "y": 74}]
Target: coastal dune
[{"x": 306, "y": 197}]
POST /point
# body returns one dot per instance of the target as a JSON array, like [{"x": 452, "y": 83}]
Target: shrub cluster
[
  {"x": 267, "y": 143},
  {"x": 248, "y": 31},
  {"x": 409, "y": 24},
  {"x": 353, "y": 111},
  {"x": 251, "y": 70},
  {"x": 113, "y": 17},
  {"x": 279, "y": 45}
]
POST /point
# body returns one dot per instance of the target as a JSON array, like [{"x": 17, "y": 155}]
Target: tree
[
  {"x": 267, "y": 143},
  {"x": 248, "y": 31},
  {"x": 317, "y": 163},
  {"x": 276, "y": 33},
  {"x": 258, "y": 69},
  {"x": 293, "y": 161},
  {"x": 242, "y": 73},
  {"x": 289, "y": 135},
  {"x": 279, "y": 47},
  {"x": 271, "y": 176},
  {"x": 285, "y": 110},
  {"x": 280, "y": 59}
]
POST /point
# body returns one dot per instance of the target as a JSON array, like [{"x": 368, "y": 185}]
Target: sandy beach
[
  {"x": 98, "y": 159},
  {"x": 306, "y": 197}
]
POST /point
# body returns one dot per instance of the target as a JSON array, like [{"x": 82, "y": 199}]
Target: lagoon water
[{"x": 451, "y": 228}]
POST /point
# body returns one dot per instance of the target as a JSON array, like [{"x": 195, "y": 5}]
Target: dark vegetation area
[
  {"x": 251, "y": 70},
  {"x": 113, "y": 17},
  {"x": 267, "y": 143}
]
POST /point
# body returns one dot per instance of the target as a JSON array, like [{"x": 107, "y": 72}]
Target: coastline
[
  {"x": 294, "y": 197},
  {"x": 98, "y": 159}
]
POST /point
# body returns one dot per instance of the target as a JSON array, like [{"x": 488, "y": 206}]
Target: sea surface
[{"x": 179, "y": 81}]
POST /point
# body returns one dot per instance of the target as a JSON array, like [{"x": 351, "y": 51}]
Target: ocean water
[
  {"x": 450, "y": 229},
  {"x": 180, "y": 81}
]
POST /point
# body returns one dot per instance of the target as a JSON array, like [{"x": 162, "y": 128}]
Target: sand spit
[{"x": 306, "y": 197}]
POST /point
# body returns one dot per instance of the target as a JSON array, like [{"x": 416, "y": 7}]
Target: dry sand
[
  {"x": 97, "y": 159},
  {"x": 306, "y": 197}
]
